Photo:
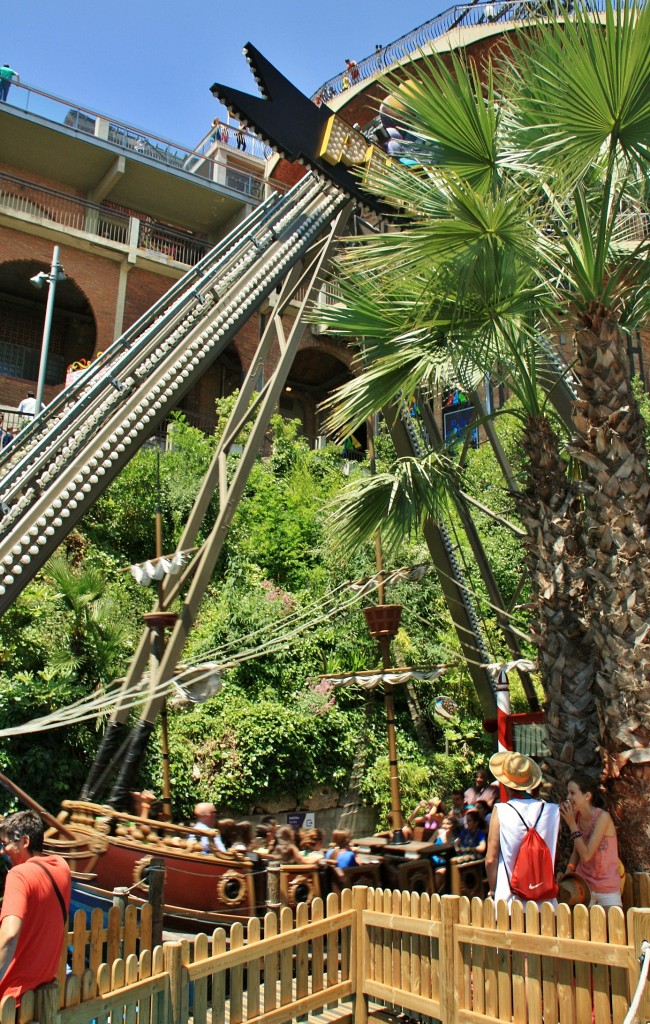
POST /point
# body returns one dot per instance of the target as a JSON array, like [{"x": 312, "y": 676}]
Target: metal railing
[
  {"x": 141, "y": 143},
  {"x": 20, "y": 196},
  {"x": 172, "y": 244},
  {"x": 227, "y": 136},
  {"x": 460, "y": 16},
  {"x": 632, "y": 226}
]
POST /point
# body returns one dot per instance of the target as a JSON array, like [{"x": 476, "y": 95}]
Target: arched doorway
[
  {"x": 319, "y": 368},
  {"x": 22, "y": 315}
]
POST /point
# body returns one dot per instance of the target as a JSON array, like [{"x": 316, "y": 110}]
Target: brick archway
[
  {"x": 321, "y": 365},
  {"x": 22, "y": 313}
]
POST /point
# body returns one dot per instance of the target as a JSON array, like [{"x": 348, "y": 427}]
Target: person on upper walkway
[{"x": 7, "y": 76}]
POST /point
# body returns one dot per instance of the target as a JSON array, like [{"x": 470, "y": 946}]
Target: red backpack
[{"x": 533, "y": 876}]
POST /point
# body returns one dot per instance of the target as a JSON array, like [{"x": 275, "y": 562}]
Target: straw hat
[
  {"x": 574, "y": 890},
  {"x": 516, "y": 771}
]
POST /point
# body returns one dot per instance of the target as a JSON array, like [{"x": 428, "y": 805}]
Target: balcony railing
[
  {"x": 209, "y": 145},
  {"x": 210, "y": 165},
  {"x": 460, "y": 16},
  {"x": 18, "y": 196}
]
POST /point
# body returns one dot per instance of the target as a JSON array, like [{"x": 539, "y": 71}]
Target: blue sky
[{"x": 150, "y": 63}]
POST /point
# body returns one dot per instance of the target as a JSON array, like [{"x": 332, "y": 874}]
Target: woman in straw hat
[{"x": 521, "y": 777}]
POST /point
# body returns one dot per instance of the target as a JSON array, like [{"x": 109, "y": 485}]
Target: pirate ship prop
[{"x": 64, "y": 460}]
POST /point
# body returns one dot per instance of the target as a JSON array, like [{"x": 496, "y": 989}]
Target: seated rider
[
  {"x": 428, "y": 814},
  {"x": 205, "y": 820},
  {"x": 312, "y": 845},
  {"x": 473, "y": 838},
  {"x": 285, "y": 849},
  {"x": 340, "y": 853}
]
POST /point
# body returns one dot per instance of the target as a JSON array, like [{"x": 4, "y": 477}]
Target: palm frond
[
  {"x": 412, "y": 363},
  {"x": 453, "y": 117},
  {"x": 396, "y": 502},
  {"x": 584, "y": 87}
]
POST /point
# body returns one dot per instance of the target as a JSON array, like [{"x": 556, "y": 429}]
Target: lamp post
[{"x": 56, "y": 274}]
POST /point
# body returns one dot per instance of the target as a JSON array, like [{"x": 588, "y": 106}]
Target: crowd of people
[
  {"x": 491, "y": 820},
  {"x": 487, "y": 821},
  {"x": 503, "y": 822},
  {"x": 269, "y": 840}
]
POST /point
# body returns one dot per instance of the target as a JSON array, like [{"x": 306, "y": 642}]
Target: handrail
[
  {"x": 21, "y": 195},
  {"x": 459, "y": 16},
  {"x": 254, "y": 146},
  {"x": 138, "y": 141}
]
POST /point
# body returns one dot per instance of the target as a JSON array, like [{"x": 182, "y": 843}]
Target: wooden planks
[{"x": 450, "y": 959}]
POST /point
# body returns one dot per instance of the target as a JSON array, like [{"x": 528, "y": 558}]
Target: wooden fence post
[
  {"x": 121, "y": 900},
  {"x": 156, "y": 898},
  {"x": 174, "y": 967},
  {"x": 638, "y": 930},
  {"x": 358, "y": 954},
  {"x": 47, "y": 1003},
  {"x": 449, "y": 912},
  {"x": 273, "y": 871}
]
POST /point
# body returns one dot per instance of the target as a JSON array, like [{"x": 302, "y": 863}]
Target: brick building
[{"x": 131, "y": 214}]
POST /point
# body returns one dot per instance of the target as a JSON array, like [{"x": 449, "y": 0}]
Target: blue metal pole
[{"x": 47, "y": 329}]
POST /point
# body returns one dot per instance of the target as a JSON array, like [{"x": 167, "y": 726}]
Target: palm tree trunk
[
  {"x": 610, "y": 444},
  {"x": 549, "y": 509}
]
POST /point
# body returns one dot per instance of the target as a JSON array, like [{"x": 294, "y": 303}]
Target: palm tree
[
  {"x": 96, "y": 641},
  {"x": 509, "y": 228},
  {"x": 601, "y": 119}
]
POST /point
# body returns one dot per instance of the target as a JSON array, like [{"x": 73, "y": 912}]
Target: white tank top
[{"x": 511, "y": 836}]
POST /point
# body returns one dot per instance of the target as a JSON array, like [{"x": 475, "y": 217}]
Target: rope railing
[
  {"x": 459, "y": 16},
  {"x": 630, "y": 1016}
]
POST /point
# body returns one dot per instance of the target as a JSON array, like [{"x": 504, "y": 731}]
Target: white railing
[
  {"x": 226, "y": 135},
  {"x": 136, "y": 140},
  {"x": 412, "y": 42}
]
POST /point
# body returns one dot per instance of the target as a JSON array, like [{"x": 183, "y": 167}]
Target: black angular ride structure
[{"x": 290, "y": 123}]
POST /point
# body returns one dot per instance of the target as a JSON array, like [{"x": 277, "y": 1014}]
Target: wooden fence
[{"x": 447, "y": 959}]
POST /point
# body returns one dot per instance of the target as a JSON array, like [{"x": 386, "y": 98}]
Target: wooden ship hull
[{"x": 107, "y": 850}]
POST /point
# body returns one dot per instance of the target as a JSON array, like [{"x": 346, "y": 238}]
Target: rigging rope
[{"x": 88, "y": 708}]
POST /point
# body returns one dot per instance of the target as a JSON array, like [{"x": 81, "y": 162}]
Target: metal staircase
[{"x": 63, "y": 461}]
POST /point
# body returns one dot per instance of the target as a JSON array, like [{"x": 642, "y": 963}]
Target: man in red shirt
[{"x": 34, "y": 918}]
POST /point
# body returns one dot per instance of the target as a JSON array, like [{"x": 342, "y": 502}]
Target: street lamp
[{"x": 56, "y": 274}]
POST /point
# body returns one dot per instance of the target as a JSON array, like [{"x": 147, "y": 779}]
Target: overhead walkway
[
  {"x": 63, "y": 461},
  {"x": 484, "y": 17}
]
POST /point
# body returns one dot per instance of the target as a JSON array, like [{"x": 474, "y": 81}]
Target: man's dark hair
[
  {"x": 24, "y": 823},
  {"x": 30, "y": 394}
]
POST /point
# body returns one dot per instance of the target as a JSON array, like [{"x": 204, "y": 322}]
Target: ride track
[{"x": 63, "y": 461}]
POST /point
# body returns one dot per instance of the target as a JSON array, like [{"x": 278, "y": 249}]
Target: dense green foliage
[{"x": 273, "y": 732}]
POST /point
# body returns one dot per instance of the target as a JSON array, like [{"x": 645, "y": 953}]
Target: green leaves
[
  {"x": 454, "y": 119},
  {"x": 584, "y": 87},
  {"x": 397, "y": 502}
]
